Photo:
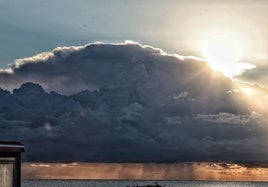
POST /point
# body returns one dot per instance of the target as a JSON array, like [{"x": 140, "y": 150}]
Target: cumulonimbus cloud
[{"x": 129, "y": 103}]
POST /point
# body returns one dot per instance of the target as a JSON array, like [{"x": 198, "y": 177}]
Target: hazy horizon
[{"x": 218, "y": 171}]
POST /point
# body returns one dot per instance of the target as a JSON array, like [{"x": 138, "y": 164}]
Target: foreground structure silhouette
[{"x": 10, "y": 164}]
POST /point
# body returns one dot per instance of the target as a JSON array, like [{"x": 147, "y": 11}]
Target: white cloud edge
[{"x": 64, "y": 52}]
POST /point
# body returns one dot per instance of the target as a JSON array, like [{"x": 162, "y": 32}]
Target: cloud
[
  {"x": 129, "y": 103},
  {"x": 256, "y": 75},
  {"x": 224, "y": 118},
  {"x": 88, "y": 67}
]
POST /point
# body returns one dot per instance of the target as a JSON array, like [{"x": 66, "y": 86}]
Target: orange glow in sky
[{"x": 150, "y": 171}]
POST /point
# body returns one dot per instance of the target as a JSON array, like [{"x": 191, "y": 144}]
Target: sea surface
[{"x": 124, "y": 183}]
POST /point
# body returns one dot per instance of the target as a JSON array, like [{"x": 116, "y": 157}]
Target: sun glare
[
  {"x": 221, "y": 52},
  {"x": 248, "y": 91},
  {"x": 224, "y": 53}
]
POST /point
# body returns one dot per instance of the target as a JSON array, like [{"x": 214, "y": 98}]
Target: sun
[
  {"x": 221, "y": 53},
  {"x": 224, "y": 53}
]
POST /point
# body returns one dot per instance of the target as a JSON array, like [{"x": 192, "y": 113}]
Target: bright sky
[{"x": 231, "y": 34}]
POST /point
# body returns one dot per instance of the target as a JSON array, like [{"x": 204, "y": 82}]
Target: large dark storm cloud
[{"x": 128, "y": 103}]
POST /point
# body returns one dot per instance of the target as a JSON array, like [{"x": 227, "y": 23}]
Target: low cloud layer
[
  {"x": 256, "y": 75},
  {"x": 129, "y": 103}
]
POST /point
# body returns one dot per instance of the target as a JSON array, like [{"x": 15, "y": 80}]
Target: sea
[{"x": 124, "y": 183}]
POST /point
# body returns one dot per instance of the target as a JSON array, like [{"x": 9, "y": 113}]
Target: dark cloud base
[{"x": 127, "y": 103}]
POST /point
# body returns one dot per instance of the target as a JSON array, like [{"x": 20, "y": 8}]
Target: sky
[
  {"x": 182, "y": 27},
  {"x": 135, "y": 81}
]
